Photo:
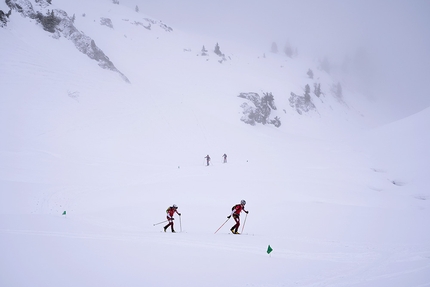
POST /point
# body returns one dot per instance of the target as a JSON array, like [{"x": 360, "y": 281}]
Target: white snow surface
[{"x": 341, "y": 202}]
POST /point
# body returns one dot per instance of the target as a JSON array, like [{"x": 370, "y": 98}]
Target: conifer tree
[
  {"x": 204, "y": 51},
  {"x": 310, "y": 74},
  {"x": 317, "y": 89},
  {"x": 288, "y": 50},
  {"x": 307, "y": 93},
  {"x": 217, "y": 50}
]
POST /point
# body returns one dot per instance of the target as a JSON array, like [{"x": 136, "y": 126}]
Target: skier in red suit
[
  {"x": 235, "y": 211},
  {"x": 170, "y": 212}
]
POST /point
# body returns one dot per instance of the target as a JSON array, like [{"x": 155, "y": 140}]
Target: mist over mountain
[
  {"x": 306, "y": 83},
  {"x": 108, "y": 111},
  {"x": 392, "y": 35}
]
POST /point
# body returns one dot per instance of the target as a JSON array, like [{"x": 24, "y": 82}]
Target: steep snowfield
[{"x": 339, "y": 203}]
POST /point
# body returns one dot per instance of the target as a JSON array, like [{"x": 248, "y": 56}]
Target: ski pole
[
  {"x": 244, "y": 221},
  {"x": 159, "y": 222},
  {"x": 222, "y": 225},
  {"x": 180, "y": 222}
]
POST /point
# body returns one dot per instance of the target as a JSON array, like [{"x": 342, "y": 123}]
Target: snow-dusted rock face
[
  {"x": 22, "y": 6},
  {"x": 4, "y": 18},
  {"x": 58, "y": 23},
  {"x": 301, "y": 103},
  {"x": 43, "y": 3},
  {"x": 261, "y": 109},
  {"x": 106, "y": 22}
]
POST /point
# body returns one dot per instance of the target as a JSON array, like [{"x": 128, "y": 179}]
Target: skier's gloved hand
[
  {"x": 229, "y": 216},
  {"x": 179, "y": 214},
  {"x": 247, "y": 212}
]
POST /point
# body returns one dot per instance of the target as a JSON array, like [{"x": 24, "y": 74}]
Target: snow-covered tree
[
  {"x": 106, "y": 22},
  {"x": 43, "y": 3},
  {"x": 204, "y": 52},
  {"x": 49, "y": 21},
  {"x": 288, "y": 50},
  {"x": 4, "y": 18},
  {"x": 261, "y": 109},
  {"x": 317, "y": 89},
  {"x": 274, "y": 48},
  {"x": 310, "y": 74},
  {"x": 217, "y": 50},
  {"x": 276, "y": 122},
  {"x": 302, "y": 103},
  {"x": 307, "y": 94}
]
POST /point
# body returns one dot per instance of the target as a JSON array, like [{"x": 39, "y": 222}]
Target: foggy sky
[
  {"x": 390, "y": 37},
  {"x": 395, "y": 35}
]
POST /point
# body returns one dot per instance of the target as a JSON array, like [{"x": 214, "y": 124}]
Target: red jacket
[
  {"x": 237, "y": 209},
  {"x": 171, "y": 211}
]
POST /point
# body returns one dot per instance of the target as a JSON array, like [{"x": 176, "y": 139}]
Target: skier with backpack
[
  {"x": 170, "y": 212},
  {"x": 235, "y": 211}
]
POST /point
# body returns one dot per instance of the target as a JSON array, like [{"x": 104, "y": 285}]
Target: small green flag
[
  {"x": 64, "y": 212},
  {"x": 269, "y": 249}
]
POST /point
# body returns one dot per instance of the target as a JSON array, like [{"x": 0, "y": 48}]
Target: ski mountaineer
[
  {"x": 235, "y": 211},
  {"x": 208, "y": 159},
  {"x": 170, "y": 212},
  {"x": 225, "y": 158}
]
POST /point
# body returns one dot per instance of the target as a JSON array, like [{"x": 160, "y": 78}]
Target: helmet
[
  {"x": 243, "y": 202},
  {"x": 175, "y": 206}
]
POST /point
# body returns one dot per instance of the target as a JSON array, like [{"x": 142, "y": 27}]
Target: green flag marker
[
  {"x": 269, "y": 249},
  {"x": 64, "y": 212}
]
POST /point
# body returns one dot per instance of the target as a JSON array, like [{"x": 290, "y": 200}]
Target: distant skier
[
  {"x": 208, "y": 159},
  {"x": 235, "y": 211},
  {"x": 224, "y": 156},
  {"x": 170, "y": 212}
]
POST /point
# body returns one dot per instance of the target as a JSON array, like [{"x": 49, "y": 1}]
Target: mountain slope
[{"x": 114, "y": 155}]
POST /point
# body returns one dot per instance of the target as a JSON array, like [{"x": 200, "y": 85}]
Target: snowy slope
[{"x": 341, "y": 205}]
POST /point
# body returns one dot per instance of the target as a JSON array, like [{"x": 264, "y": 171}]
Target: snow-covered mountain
[{"x": 107, "y": 114}]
